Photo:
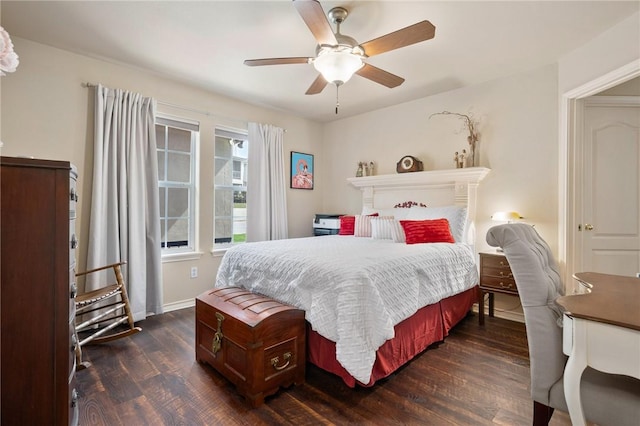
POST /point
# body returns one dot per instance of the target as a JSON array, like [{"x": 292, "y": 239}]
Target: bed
[{"x": 372, "y": 300}]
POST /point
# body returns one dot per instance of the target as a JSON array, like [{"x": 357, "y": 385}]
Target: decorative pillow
[
  {"x": 347, "y": 225},
  {"x": 363, "y": 225},
  {"x": 456, "y": 215},
  {"x": 396, "y": 213},
  {"x": 427, "y": 231},
  {"x": 397, "y": 233},
  {"x": 381, "y": 227}
]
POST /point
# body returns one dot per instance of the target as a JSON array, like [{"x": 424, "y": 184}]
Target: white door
[{"x": 610, "y": 223}]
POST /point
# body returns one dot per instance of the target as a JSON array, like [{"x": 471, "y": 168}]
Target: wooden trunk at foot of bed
[
  {"x": 429, "y": 325},
  {"x": 254, "y": 341}
]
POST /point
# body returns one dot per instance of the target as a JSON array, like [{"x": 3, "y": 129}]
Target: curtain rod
[{"x": 185, "y": 108}]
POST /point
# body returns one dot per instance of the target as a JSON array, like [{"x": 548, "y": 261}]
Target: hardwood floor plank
[
  {"x": 96, "y": 409},
  {"x": 139, "y": 411},
  {"x": 477, "y": 376}
]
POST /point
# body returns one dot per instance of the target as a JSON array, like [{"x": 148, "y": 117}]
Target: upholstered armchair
[{"x": 607, "y": 399}]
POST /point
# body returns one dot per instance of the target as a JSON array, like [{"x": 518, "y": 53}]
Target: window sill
[
  {"x": 180, "y": 257},
  {"x": 219, "y": 252}
]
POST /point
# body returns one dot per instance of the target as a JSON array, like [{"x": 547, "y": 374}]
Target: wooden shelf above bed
[
  {"x": 433, "y": 188},
  {"x": 431, "y": 177}
]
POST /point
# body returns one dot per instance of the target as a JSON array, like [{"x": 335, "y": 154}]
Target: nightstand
[{"x": 495, "y": 277}]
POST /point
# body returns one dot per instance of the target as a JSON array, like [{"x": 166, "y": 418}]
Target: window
[
  {"x": 177, "y": 141},
  {"x": 230, "y": 187}
]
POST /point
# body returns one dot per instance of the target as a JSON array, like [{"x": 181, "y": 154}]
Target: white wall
[
  {"x": 613, "y": 49},
  {"x": 48, "y": 114},
  {"x": 518, "y": 142}
]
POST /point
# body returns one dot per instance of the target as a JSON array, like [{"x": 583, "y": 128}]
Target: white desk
[{"x": 601, "y": 330}]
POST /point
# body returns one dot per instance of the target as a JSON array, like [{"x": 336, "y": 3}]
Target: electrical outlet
[{"x": 194, "y": 272}]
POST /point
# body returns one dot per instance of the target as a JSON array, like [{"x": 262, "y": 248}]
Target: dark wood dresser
[{"x": 37, "y": 262}]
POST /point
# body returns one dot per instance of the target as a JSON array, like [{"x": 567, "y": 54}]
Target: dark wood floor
[{"x": 478, "y": 376}]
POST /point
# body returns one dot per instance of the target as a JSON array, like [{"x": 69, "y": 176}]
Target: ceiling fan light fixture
[{"x": 337, "y": 66}]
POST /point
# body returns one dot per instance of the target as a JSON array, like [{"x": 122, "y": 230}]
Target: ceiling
[{"x": 204, "y": 43}]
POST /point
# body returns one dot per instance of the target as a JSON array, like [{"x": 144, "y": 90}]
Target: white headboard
[{"x": 434, "y": 188}]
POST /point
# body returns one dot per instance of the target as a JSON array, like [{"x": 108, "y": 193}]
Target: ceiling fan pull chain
[{"x": 337, "y": 99}]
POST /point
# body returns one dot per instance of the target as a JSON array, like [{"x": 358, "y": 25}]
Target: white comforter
[{"x": 353, "y": 290}]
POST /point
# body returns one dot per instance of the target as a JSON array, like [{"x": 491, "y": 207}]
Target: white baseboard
[
  {"x": 508, "y": 315},
  {"x": 174, "y": 306},
  {"x": 499, "y": 313}
]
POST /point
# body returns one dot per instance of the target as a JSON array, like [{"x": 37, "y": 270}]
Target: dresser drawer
[
  {"x": 74, "y": 409},
  {"x": 73, "y": 292},
  {"x": 73, "y": 242},
  {"x": 73, "y": 343},
  {"x": 73, "y": 192}
]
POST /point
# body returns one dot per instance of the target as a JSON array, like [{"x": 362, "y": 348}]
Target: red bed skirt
[{"x": 412, "y": 336}]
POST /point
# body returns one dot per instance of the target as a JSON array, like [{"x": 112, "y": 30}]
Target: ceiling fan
[{"x": 339, "y": 56}]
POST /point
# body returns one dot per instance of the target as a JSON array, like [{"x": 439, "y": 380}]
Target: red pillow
[
  {"x": 348, "y": 224},
  {"x": 427, "y": 231}
]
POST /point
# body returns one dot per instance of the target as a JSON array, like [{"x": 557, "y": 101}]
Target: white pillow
[
  {"x": 398, "y": 213},
  {"x": 381, "y": 227},
  {"x": 362, "y": 227},
  {"x": 397, "y": 232},
  {"x": 456, "y": 215}
]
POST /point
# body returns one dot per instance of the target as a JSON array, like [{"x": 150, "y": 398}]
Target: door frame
[{"x": 571, "y": 167}]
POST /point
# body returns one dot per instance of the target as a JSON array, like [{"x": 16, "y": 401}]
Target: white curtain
[
  {"x": 266, "y": 184},
  {"x": 125, "y": 212}
]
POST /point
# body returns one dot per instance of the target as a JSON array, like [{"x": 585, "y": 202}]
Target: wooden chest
[{"x": 254, "y": 341}]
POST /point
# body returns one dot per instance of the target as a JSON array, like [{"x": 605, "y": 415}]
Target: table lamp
[{"x": 507, "y": 217}]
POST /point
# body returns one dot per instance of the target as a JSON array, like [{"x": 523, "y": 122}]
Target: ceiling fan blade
[
  {"x": 407, "y": 36},
  {"x": 276, "y": 61},
  {"x": 313, "y": 15},
  {"x": 380, "y": 76},
  {"x": 317, "y": 86}
]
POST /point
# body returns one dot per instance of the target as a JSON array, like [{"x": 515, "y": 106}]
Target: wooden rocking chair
[{"x": 106, "y": 308}]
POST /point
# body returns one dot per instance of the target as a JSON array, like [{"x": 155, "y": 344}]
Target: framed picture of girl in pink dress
[{"x": 301, "y": 170}]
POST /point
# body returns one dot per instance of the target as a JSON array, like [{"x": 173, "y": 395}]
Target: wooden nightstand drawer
[
  {"x": 494, "y": 261},
  {"x": 495, "y": 273},
  {"x": 499, "y": 283},
  {"x": 495, "y": 277}
]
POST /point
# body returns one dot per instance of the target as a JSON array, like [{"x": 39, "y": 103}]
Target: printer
[{"x": 326, "y": 224}]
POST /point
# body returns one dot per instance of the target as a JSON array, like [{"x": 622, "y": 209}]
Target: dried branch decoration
[
  {"x": 470, "y": 126},
  {"x": 8, "y": 58}
]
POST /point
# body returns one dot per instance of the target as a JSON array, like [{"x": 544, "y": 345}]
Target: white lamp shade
[
  {"x": 505, "y": 216},
  {"x": 337, "y": 67}
]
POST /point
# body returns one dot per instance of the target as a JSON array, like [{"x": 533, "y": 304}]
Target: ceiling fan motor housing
[{"x": 337, "y": 15}]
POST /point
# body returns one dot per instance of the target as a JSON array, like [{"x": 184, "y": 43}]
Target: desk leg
[{"x": 573, "y": 372}]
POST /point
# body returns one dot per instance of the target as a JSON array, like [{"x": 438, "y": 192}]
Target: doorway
[
  {"x": 609, "y": 186},
  {"x": 571, "y": 168}
]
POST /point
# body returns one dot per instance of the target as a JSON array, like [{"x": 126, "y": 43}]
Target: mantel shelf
[{"x": 432, "y": 177}]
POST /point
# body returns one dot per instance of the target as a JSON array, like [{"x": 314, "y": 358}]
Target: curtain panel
[
  {"x": 266, "y": 184},
  {"x": 125, "y": 212}
]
